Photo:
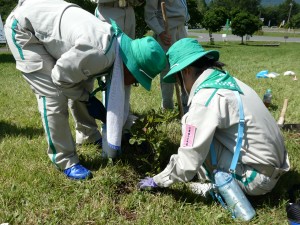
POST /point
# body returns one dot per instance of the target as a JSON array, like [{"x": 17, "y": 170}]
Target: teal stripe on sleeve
[
  {"x": 96, "y": 12},
  {"x": 13, "y": 27},
  {"x": 54, "y": 152}
]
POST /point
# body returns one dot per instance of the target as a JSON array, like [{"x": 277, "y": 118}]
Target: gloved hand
[
  {"x": 147, "y": 183},
  {"x": 96, "y": 109}
]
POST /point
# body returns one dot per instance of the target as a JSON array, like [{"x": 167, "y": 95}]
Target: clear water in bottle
[
  {"x": 267, "y": 98},
  {"x": 233, "y": 195}
]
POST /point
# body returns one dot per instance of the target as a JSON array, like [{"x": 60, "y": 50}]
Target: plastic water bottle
[
  {"x": 293, "y": 213},
  {"x": 267, "y": 98},
  {"x": 233, "y": 195}
]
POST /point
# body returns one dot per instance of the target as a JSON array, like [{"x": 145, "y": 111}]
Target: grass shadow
[
  {"x": 145, "y": 160},
  {"x": 7, "y": 58},
  {"x": 183, "y": 195},
  {"x": 93, "y": 162},
  {"x": 282, "y": 190},
  {"x": 211, "y": 46},
  {"x": 141, "y": 157},
  {"x": 10, "y": 129},
  {"x": 273, "y": 107}
]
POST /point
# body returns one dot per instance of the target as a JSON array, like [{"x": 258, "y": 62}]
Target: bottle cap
[{"x": 222, "y": 178}]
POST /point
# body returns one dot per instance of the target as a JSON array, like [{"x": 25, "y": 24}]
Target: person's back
[
  {"x": 44, "y": 19},
  {"x": 263, "y": 142},
  {"x": 263, "y": 135}
]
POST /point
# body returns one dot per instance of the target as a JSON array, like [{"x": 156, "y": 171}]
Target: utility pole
[{"x": 291, "y": 5}]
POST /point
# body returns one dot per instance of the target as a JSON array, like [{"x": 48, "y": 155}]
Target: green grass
[{"x": 32, "y": 191}]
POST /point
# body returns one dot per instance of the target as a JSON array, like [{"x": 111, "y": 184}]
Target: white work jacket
[
  {"x": 82, "y": 47},
  {"x": 262, "y": 145}
]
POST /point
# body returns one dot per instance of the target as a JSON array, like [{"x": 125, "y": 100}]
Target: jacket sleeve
[
  {"x": 77, "y": 65},
  {"x": 151, "y": 9},
  {"x": 198, "y": 128}
]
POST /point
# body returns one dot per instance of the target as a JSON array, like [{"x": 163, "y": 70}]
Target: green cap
[
  {"x": 183, "y": 53},
  {"x": 143, "y": 57}
]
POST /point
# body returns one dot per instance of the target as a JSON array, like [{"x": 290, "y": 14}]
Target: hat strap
[{"x": 146, "y": 74}]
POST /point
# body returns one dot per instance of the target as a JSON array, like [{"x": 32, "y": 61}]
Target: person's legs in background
[
  {"x": 167, "y": 89},
  {"x": 179, "y": 33}
]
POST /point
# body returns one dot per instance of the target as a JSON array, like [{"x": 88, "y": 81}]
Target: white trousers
[
  {"x": 52, "y": 104},
  {"x": 55, "y": 116}
]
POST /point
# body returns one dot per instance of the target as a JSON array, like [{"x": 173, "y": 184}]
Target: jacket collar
[{"x": 200, "y": 79}]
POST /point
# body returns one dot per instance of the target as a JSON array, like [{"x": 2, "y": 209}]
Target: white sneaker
[{"x": 202, "y": 189}]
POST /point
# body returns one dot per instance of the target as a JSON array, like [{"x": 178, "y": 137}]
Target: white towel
[{"x": 117, "y": 103}]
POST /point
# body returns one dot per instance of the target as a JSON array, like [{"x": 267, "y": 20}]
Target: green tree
[
  {"x": 88, "y": 5},
  {"x": 288, "y": 7},
  {"x": 202, "y": 6},
  {"x": 270, "y": 13},
  {"x": 295, "y": 21},
  {"x": 250, "y": 6},
  {"x": 141, "y": 26},
  {"x": 213, "y": 21},
  {"x": 195, "y": 15},
  {"x": 6, "y": 6},
  {"x": 245, "y": 24}
]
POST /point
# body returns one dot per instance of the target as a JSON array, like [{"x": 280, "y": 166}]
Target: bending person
[
  {"x": 59, "y": 56},
  {"x": 211, "y": 126}
]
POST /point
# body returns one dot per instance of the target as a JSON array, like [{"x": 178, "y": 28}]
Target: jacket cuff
[{"x": 163, "y": 179}]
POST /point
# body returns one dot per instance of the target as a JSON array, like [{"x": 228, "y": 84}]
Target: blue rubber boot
[{"x": 77, "y": 172}]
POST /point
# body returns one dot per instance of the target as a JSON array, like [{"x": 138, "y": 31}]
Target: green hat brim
[
  {"x": 130, "y": 62},
  {"x": 170, "y": 77}
]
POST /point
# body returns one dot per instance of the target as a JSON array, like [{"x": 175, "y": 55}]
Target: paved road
[
  {"x": 204, "y": 37},
  {"x": 4, "y": 49}
]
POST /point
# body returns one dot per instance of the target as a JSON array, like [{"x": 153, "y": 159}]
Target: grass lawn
[{"x": 32, "y": 191}]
